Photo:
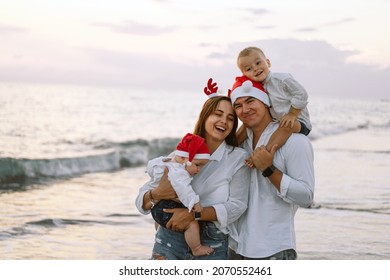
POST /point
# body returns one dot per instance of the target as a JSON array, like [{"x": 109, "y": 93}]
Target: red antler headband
[{"x": 211, "y": 89}]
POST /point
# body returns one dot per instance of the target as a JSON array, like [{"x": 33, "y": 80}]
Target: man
[{"x": 282, "y": 180}]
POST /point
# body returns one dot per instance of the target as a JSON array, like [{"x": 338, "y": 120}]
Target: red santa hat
[
  {"x": 246, "y": 87},
  {"x": 193, "y": 147}
]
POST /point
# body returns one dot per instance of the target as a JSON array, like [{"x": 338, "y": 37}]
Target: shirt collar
[
  {"x": 268, "y": 77},
  {"x": 267, "y": 131},
  {"x": 219, "y": 152}
]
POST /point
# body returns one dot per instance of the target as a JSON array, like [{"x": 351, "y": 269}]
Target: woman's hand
[
  {"x": 164, "y": 189},
  {"x": 180, "y": 219}
]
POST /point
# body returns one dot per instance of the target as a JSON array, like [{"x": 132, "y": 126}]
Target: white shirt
[
  {"x": 222, "y": 183},
  {"x": 284, "y": 91},
  {"x": 267, "y": 227},
  {"x": 178, "y": 176}
]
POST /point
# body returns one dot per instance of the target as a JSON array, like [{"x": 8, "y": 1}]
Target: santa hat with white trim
[
  {"x": 246, "y": 87},
  {"x": 192, "y": 147}
]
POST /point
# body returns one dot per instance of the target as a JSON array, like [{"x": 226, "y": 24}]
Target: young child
[
  {"x": 190, "y": 156},
  {"x": 288, "y": 98}
]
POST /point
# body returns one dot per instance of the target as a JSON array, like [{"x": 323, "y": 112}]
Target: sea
[{"x": 72, "y": 159}]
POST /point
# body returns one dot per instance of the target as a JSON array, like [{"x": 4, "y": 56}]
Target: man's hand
[{"x": 262, "y": 158}]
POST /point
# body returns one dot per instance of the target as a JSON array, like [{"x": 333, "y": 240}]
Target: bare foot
[{"x": 202, "y": 250}]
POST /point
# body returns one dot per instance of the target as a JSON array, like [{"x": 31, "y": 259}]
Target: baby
[{"x": 190, "y": 156}]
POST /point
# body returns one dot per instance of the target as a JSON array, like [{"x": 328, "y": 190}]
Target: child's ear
[{"x": 268, "y": 62}]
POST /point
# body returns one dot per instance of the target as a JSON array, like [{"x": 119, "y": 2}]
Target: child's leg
[
  {"x": 192, "y": 238},
  {"x": 296, "y": 127},
  {"x": 241, "y": 134}
]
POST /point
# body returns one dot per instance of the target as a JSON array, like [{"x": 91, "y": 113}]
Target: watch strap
[
  {"x": 269, "y": 171},
  {"x": 197, "y": 216}
]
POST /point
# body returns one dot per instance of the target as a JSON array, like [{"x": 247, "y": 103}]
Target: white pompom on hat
[{"x": 243, "y": 87}]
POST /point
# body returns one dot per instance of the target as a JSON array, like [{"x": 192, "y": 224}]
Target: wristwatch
[
  {"x": 197, "y": 216},
  {"x": 269, "y": 171}
]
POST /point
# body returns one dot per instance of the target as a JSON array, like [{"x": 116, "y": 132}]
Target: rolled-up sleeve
[
  {"x": 139, "y": 201},
  {"x": 298, "y": 185},
  {"x": 299, "y": 96},
  {"x": 237, "y": 203}
]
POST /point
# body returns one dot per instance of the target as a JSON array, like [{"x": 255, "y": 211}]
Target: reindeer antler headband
[{"x": 211, "y": 89}]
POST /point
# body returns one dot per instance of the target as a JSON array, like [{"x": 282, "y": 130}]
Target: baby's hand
[
  {"x": 248, "y": 162},
  {"x": 288, "y": 120}
]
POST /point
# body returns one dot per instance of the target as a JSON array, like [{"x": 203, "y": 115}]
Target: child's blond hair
[{"x": 247, "y": 51}]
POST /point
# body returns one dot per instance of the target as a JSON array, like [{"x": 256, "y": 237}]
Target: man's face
[{"x": 249, "y": 110}]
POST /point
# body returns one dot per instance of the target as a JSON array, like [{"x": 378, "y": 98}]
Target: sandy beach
[{"x": 353, "y": 189}]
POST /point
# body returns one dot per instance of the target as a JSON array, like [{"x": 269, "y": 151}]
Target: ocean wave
[
  {"x": 374, "y": 210},
  {"x": 36, "y": 227},
  {"x": 330, "y": 129},
  {"x": 112, "y": 156},
  {"x": 106, "y": 157}
]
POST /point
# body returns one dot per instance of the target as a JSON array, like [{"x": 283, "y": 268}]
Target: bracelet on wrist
[{"x": 151, "y": 199}]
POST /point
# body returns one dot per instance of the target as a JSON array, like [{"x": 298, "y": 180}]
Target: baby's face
[
  {"x": 196, "y": 166},
  {"x": 255, "y": 66}
]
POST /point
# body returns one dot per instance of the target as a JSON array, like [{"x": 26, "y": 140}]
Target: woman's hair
[{"x": 208, "y": 109}]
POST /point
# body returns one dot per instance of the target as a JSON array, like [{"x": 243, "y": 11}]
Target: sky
[{"x": 338, "y": 48}]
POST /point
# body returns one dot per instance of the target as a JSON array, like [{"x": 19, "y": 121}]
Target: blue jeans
[
  {"x": 288, "y": 254},
  {"x": 304, "y": 129},
  {"x": 158, "y": 213},
  {"x": 170, "y": 245}
]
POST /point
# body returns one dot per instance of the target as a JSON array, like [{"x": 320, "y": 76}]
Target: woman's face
[{"x": 220, "y": 123}]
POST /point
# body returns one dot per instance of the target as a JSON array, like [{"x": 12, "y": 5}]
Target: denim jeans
[
  {"x": 304, "y": 129},
  {"x": 158, "y": 213},
  {"x": 170, "y": 245},
  {"x": 288, "y": 254}
]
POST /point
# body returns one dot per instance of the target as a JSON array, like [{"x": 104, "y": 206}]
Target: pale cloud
[
  {"x": 4, "y": 28},
  {"x": 136, "y": 28},
  {"x": 306, "y": 29},
  {"x": 323, "y": 69},
  {"x": 258, "y": 12},
  {"x": 339, "y": 22},
  {"x": 206, "y": 45},
  {"x": 335, "y": 23},
  {"x": 265, "y": 27},
  {"x": 169, "y": 44}
]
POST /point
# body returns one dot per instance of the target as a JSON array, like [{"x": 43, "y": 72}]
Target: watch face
[{"x": 197, "y": 215}]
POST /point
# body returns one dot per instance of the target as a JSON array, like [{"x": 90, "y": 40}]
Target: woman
[{"x": 222, "y": 186}]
